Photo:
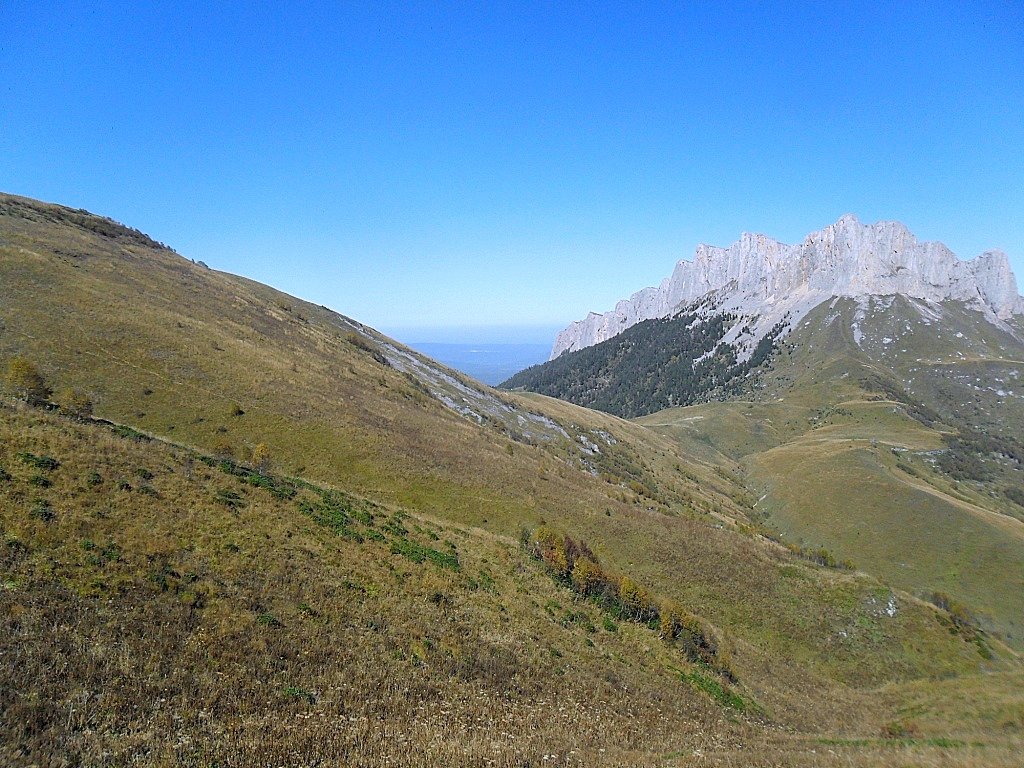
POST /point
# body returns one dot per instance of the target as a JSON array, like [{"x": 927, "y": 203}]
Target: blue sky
[{"x": 438, "y": 166}]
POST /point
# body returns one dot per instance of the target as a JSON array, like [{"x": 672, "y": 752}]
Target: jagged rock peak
[{"x": 760, "y": 276}]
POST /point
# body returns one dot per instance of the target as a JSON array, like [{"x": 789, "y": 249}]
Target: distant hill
[{"x": 652, "y": 365}]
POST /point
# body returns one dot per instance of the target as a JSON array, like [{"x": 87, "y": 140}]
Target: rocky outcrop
[{"x": 766, "y": 280}]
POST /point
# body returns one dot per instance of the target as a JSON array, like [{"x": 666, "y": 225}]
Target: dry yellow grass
[
  {"x": 172, "y": 623},
  {"x": 166, "y": 627}
]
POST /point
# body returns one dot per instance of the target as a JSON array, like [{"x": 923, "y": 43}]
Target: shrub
[
  {"x": 45, "y": 463},
  {"x": 586, "y": 575},
  {"x": 551, "y": 549},
  {"x": 261, "y": 458},
  {"x": 1016, "y": 495},
  {"x": 43, "y": 511},
  {"x": 419, "y": 553},
  {"x": 127, "y": 432},
  {"x": 670, "y": 620},
  {"x": 699, "y": 644},
  {"x": 228, "y": 498},
  {"x": 74, "y": 403},
  {"x": 26, "y": 382},
  {"x": 957, "y": 611},
  {"x": 821, "y": 556},
  {"x": 636, "y": 600},
  {"x": 223, "y": 449}
]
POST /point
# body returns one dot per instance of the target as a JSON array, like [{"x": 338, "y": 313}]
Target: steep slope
[
  {"x": 220, "y": 361},
  {"x": 162, "y": 606},
  {"x": 654, "y": 364},
  {"x": 219, "y": 364}
]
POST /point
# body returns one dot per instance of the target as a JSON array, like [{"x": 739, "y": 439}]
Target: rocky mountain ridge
[{"x": 765, "y": 282}]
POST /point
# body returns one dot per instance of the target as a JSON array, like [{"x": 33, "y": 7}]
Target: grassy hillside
[
  {"x": 163, "y": 606},
  {"x": 155, "y": 605},
  {"x": 220, "y": 361},
  {"x": 853, "y": 446},
  {"x": 236, "y": 620}
]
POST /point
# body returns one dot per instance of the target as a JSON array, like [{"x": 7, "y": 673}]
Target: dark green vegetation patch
[{"x": 650, "y": 366}]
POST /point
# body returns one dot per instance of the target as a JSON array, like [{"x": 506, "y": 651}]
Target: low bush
[
  {"x": 575, "y": 565},
  {"x": 228, "y": 498},
  {"x": 1016, "y": 495},
  {"x": 43, "y": 511},
  {"x": 25, "y": 382},
  {"x": 45, "y": 463},
  {"x": 74, "y": 403}
]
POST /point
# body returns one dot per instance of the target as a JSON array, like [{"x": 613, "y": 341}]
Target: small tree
[
  {"x": 261, "y": 458},
  {"x": 671, "y": 620},
  {"x": 586, "y": 575},
  {"x": 75, "y": 403},
  {"x": 551, "y": 548},
  {"x": 636, "y": 600},
  {"x": 25, "y": 381},
  {"x": 223, "y": 449}
]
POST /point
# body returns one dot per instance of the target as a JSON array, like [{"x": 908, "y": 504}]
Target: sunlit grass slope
[
  {"x": 157, "y": 606},
  {"x": 843, "y": 450},
  {"x": 220, "y": 364},
  {"x": 164, "y": 607}
]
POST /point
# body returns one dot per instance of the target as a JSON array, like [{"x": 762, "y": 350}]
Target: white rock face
[{"x": 759, "y": 276}]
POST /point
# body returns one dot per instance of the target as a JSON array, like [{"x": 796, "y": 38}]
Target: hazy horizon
[{"x": 474, "y": 334}]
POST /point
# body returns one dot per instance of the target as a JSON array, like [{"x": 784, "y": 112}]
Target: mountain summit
[{"x": 772, "y": 282}]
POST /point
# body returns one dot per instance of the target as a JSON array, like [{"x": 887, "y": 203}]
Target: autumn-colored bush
[
  {"x": 587, "y": 576},
  {"x": 75, "y": 403},
  {"x": 223, "y": 448},
  {"x": 636, "y": 600},
  {"x": 625, "y": 598},
  {"x": 670, "y": 621},
  {"x": 550, "y": 547},
  {"x": 25, "y": 382},
  {"x": 261, "y": 458}
]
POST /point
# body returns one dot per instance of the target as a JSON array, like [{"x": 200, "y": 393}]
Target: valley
[{"x": 308, "y": 539}]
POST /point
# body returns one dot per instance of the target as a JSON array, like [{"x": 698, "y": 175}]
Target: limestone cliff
[{"x": 768, "y": 281}]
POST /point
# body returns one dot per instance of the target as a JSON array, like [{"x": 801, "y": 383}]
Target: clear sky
[{"x": 427, "y": 166}]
